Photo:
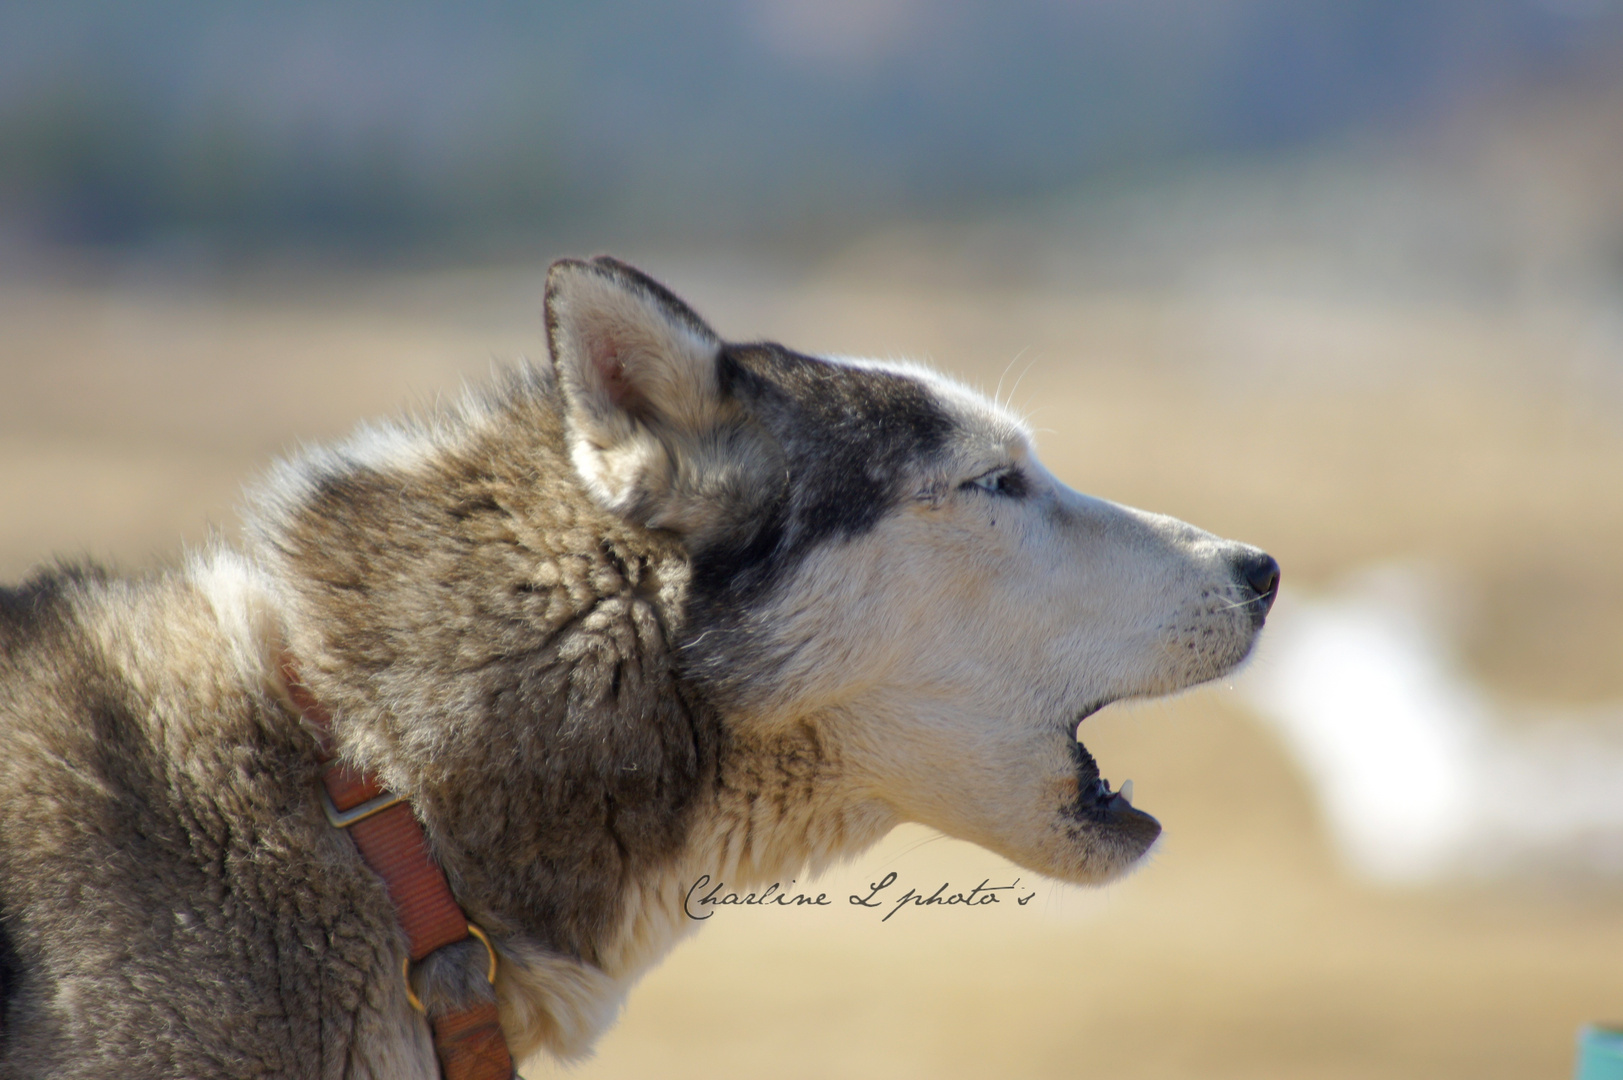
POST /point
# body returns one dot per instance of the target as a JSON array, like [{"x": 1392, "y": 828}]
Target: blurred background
[{"x": 1342, "y": 278}]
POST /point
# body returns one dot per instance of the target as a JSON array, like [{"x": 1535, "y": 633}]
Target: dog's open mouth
[{"x": 1096, "y": 802}]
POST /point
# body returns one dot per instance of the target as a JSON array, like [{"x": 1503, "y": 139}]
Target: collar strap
[{"x": 391, "y": 841}]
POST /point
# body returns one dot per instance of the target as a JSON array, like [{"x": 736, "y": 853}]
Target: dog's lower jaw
[
  {"x": 1121, "y": 827},
  {"x": 1086, "y": 833}
]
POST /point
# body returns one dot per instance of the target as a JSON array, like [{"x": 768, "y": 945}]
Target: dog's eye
[{"x": 1006, "y": 482}]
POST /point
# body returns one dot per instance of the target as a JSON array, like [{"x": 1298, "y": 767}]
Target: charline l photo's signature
[{"x": 705, "y": 896}]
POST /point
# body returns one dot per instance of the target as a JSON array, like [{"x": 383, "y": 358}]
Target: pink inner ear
[{"x": 607, "y": 361}]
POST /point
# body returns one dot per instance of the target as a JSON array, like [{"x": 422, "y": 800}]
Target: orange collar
[{"x": 469, "y": 1041}]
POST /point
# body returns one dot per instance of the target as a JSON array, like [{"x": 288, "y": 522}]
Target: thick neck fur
[{"x": 503, "y": 651}]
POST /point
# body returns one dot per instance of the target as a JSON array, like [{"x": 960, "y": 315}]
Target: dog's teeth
[{"x": 1126, "y": 791}]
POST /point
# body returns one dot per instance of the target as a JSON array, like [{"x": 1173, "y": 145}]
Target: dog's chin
[
  {"x": 1104, "y": 824},
  {"x": 1089, "y": 834}
]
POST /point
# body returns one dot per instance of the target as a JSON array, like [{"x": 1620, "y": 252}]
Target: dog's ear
[{"x": 638, "y": 369}]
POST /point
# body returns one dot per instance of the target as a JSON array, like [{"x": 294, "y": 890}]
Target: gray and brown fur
[{"x": 563, "y": 619}]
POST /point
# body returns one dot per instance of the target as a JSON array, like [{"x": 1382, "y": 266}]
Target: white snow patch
[{"x": 1419, "y": 773}]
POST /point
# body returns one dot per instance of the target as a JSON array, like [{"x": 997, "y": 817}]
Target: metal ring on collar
[{"x": 490, "y": 974}]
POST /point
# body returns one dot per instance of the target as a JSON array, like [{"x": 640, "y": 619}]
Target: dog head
[{"x": 877, "y": 551}]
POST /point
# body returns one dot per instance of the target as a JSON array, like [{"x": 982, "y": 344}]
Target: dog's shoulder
[
  {"x": 161, "y": 828},
  {"x": 127, "y": 692}
]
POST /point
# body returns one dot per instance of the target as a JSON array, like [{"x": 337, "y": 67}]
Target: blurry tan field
[{"x": 133, "y": 408}]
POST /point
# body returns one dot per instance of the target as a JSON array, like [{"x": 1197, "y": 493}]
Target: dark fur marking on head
[
  {"x": 851, "y": 441},
  {"x": 849, "y": 436}
]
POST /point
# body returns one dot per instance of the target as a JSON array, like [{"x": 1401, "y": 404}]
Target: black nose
[{"x": 1260, "y": 572}]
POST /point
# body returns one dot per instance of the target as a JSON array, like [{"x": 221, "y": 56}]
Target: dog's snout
[{"x": 1259, "y": 571}]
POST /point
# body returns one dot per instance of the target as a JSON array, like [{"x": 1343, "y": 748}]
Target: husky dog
[{"x": 665, "y": 606}]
